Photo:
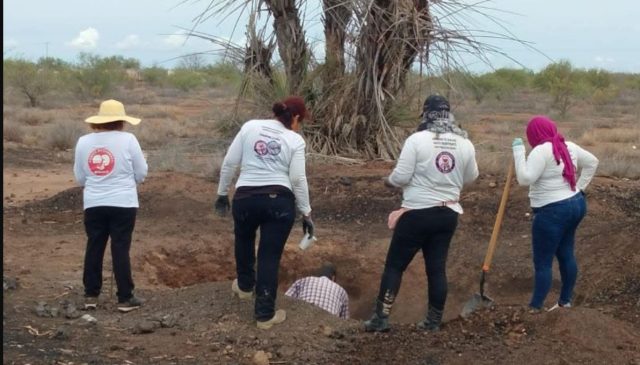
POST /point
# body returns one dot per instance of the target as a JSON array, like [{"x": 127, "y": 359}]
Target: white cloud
[
  {"x": 129, "y": 42},
  {"x": 606, "y": 60},
  {"x": 9, "y": 43},
  {"x": 175, "y": 40},
  {"x": 86, "y": 39}
]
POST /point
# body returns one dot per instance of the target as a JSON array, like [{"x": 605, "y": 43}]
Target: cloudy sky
[{"x": 588, "y": 33}]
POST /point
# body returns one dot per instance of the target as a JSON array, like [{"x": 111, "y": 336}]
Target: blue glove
[{"x": 517, "y": 142}]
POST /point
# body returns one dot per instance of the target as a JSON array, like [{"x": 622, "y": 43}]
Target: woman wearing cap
[
  {"x": 558, "y": 203},
  {"x": 434, "y": 164},
  {"x": 272, "y": 181},
  {"x": 109, "y": 164}
]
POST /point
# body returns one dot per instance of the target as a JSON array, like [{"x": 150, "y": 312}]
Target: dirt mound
[
  {"x": 204, "y": 323},
  {"x": 182, "y": 258}
]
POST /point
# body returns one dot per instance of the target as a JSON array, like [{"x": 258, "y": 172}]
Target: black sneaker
[{"x": 129, "y": 305}]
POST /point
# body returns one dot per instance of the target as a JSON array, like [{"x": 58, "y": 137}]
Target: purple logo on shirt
[
  {"x": 274, "y": 148},
  {"x": 445, "y": 162},
  {"x": 261, "y": 148}
]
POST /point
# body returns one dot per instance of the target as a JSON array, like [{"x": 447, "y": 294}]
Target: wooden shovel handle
[{"x": 498, "y": 223}]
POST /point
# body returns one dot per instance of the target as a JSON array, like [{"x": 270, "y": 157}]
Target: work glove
[
  {"x": 307, "y": 225},
  {"x": 517, "y": 142},
  {"x": 222, "y": 205}
]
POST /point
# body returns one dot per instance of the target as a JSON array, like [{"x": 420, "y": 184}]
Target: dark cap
[{"x": 436, "y": 105}]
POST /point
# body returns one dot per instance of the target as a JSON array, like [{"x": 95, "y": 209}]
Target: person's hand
[
  {"x": 222, "y": 205},
  {"x": 307, "y": 225},
  {"x": 517, "y": 142}
]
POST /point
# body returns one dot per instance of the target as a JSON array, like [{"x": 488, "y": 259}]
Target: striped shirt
[{"x": 322, "y": 292}]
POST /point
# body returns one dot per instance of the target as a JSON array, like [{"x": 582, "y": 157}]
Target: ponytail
[{"x": 283, "y": 114}]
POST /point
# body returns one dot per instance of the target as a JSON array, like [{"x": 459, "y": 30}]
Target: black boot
[
  {"x": 432, "y": 321},
  {"x": 379, "y": 322}
]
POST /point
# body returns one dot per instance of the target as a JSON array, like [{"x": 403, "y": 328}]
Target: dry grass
[
  {"x": 619, "y": 161},
  {"x": 155, "y": 133},
  {"x": 63, "y": 135},
  {"x": 12, "y": 131},
  {"x": 34, "y": 116}
]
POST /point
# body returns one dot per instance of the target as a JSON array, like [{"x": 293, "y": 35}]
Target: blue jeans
[{"x": 554, "y": 230}]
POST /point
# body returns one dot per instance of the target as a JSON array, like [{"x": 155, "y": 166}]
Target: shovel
[{"x": 481, "y": 300}]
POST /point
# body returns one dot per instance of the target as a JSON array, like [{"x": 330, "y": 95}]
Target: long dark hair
[{"x": 288, "y": 108}]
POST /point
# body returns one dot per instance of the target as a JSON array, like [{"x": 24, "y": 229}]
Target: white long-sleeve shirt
[
  {"x": 544, "y": 176},
  {"x": 268, "y": 154},
  {"x": 109, "y": 165},
  {"x": 433, "y": 170}
]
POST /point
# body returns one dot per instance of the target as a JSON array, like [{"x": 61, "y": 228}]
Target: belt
[{"x": 450, "y": 202}]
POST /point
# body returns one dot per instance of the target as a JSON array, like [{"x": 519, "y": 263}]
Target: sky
[{"x": 588, "y": 33}]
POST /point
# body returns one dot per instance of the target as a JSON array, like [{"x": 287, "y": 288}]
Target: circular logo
[
  {"x": 445, "y": 162},
  {"x": 261, "y": 148},
  {"x": 274, "y": 148},
  {"x": 101, "y": 161}
]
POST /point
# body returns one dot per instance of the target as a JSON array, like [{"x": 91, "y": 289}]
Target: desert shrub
[
  {"x": 34, "y": 117},
  {"x": 604, "y": 96},
  {"x": 558, "y": 79},
  {"x": 63, "y": 135},
  {"x": 95, "y": 76},
  {"x": 223, "y": 75},
  {"x": 155, "y": 134},
  {"x": 28, "y": 78},
  {"x": 12, "y": 131},
  {"x": 186, "y": 80},
  {"x": 155, "y": 76}
]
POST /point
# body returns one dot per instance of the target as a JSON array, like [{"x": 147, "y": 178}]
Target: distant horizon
[
  {"x": 221, "y": 61},
  {"x": 536, "y": 32}
]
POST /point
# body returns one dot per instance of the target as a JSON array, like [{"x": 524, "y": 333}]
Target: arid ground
[{"x": 183, "y": 264}]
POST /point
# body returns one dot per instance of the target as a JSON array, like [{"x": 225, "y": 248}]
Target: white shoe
[
  {"x": 279, "y": 316},
  {"x": 245, "y": 295},
  {"x": 558, "y": 305}
]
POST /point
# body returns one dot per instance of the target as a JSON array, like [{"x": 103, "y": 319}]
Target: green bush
[
  {"x": 186, "y": 80},
  {"x": 558, "y": 79},
  {"x": 31, "y": 80},
  {"x": 96, "y": 76},
  {"x": 155, "y": 76}
]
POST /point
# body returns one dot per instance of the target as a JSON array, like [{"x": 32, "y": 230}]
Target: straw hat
[{"x": 111, "y": 111}]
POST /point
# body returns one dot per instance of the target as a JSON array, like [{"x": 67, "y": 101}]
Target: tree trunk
[
  {"x": 393, "y": 34},
  {"x": 337, "y": 14},
  {"x": 292, "y": 45}
]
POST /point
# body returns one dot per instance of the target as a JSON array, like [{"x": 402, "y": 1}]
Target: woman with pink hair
[{"x": 558, "y": 203}]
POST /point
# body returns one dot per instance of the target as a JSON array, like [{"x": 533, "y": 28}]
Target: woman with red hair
[
  {"x": 272, "y": 181},
  {"x": 558, "y": 203}
]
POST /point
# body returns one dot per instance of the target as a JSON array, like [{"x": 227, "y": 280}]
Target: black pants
[
  {"x": 274, "y": 214},
  {"x": 428, "y": 229},
  {"x": 101, "y": 223}
]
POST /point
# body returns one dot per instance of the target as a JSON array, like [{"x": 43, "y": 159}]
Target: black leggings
[
  {"x": 274, "y": 214},
  {"x": 431, "y": 230}
]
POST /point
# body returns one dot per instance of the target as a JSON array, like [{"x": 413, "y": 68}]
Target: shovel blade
[{"x": 478, "y": 301}]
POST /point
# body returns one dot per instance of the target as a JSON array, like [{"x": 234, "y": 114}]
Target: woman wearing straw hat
[
  {"x": 109, "y": 163},
  {"x": 272, "y": 182}
]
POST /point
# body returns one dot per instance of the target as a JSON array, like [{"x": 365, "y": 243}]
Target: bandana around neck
[{"x": 440, "y": 126}]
